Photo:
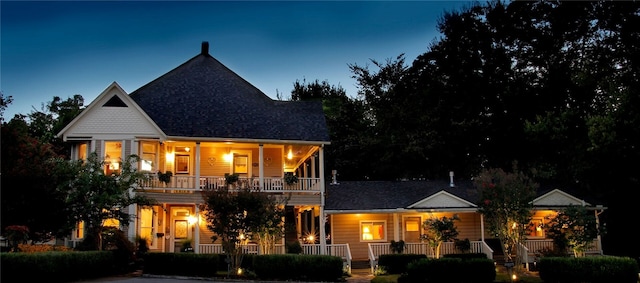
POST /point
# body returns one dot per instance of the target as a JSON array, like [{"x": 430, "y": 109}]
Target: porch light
[
  {"x": 169, "y": 157},
  {"x": 192, "y": 220},
  {"x": 290, "y": 154},
  {"x": 227, "y": 157},
  {"x": 187, "y": 149}
]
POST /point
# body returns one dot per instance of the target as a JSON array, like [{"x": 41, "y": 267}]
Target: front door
[
  {"x": 180, "y": 228},
  {"x": 412, "y": 229}
]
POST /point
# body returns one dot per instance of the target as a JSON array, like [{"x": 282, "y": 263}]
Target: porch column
[
  {"x": 313, "y": 167},
  {"x": 323, "y": 235},
  {"x": 261, "y": 165},
  {"x": 197, "y": 180},
  {"x": 599, "y": 237},
  {"x": 196, "y": 232},
  {"x": 396, "y": 227},
  {"x": 133, "y": 225},
  {"x": 482, "y": 227}
]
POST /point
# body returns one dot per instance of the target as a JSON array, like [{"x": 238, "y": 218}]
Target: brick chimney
[{"x": 205, "y": 48}]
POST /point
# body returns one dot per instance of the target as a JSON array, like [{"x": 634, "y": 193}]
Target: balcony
[{"x": 189, "y": 184}]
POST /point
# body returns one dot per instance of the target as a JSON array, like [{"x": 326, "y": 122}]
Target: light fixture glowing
[
  {"x": 227, "y": 157},
  {"x": 192, "y": 219},
  {"x": 187, "y": 149},
  {"x": 290, "y": 154}
]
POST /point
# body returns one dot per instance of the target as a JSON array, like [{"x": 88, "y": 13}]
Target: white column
[
  {"x": 133, "y": 225},
  {"x": 196, "y": 236},
  {"x": 396, "y": 227},
  {"x": 261, "y": 165},
  {"x": 323, "y": 235},
  {"x": 197, "y": 156}
]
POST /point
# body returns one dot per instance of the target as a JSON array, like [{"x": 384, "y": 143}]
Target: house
[
  {"x": 201, "y": 121},
  {"x": 368, "y": 215}
]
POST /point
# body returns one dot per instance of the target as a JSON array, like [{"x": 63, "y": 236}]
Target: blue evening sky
[{"x": 65, "y": 48}]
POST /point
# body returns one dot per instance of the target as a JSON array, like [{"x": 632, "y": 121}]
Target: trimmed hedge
[
  {"x": 58, "y": 266},
  {"x": 473, "y": 270},
  {"x": 592, "y": 269},
  {"x": 397, "y": 263},
  {"x": 298, "y": 267},
  {"x": 184, "y": 264}
]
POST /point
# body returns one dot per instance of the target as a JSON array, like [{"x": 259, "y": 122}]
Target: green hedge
[
  {"x": 397, "y": 263},
  {"x": 473, "y": 270},
  {"x": 592, "y": 269},
  {"x": 58, "y": 266},
  {"x": 184, "y": 264},
  {"x": 298, "y": 267}
]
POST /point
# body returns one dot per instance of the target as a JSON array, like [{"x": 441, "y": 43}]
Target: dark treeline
[{"x": 550, "y": 86}]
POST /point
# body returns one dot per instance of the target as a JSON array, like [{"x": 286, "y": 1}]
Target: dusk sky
[{"x": 61, "y": 49}]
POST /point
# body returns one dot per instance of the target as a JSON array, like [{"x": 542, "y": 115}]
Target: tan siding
[
  {"x": 273, "y": 167},
  {"x": 346, "y": 229}
]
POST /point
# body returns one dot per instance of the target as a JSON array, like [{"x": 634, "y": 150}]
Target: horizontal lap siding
[{"x": 346, "y": 229}]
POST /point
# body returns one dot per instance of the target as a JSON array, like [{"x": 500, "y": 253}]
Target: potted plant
[
  {"x": 165, "y": 177},
  {"x": 290, "y": 178},
  {"x": 231, "y": 179},
  {"x": 186, "y": 246}
]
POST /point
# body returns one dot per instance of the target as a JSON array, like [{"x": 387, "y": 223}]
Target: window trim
[{"x": 372, "y": 222}]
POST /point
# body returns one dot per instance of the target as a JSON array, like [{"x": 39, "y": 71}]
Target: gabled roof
[
  {"x": 385, "y": 196},
  {"x": 124, "y": 115},
  {"x": 423, "y": 195},
  {"x": 203, "y": 98},
  {"x": 557, "y": 198}
]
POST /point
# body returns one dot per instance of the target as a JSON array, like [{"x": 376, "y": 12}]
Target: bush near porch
[
  {"x": 59, "y": 266},
  {"x": 589, "y": 269}
]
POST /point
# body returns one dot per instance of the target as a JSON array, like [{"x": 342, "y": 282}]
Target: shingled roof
[
  {"x": 204, "y": 98},
  {"x": 386, "y": 195},
  {"x": 390, "y": 195}
]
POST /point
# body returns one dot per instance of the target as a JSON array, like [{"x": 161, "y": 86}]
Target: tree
[
  {"x": 575, "y": 228},
  {"x": 346, "y": 123},
  {"x": 91, "y": 196},
  {"x": 506, "y": 205},
  {"x": 439, "y": 230},
  {"x": 236, "y": 217}
]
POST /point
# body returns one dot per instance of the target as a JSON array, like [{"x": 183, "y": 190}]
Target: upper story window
[
  {"x": 373, "y": 231},
  {"x": 148, "y": 156},
  {"x": 113, "y": 156}
]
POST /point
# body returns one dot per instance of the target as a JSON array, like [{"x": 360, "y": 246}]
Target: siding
[
  {"x": 123, "y": 122},
  {"x": 345, "y": 228}
]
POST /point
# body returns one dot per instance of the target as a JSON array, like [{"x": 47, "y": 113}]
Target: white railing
[
  {"x": 188, "y": 184},
  {"x": 340, "y": 250},
  {"x": 377, "y": 249},
  {"x": 539, "y": 246}
]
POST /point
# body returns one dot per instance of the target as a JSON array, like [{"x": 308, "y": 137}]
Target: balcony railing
[{"x": 187, "y": 184}]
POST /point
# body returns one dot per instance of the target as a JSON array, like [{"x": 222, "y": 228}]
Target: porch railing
[
  {"x": 538, "y": 247},
  {"x": 187, "y": 184},
  {"x": 340, "y": 250}
]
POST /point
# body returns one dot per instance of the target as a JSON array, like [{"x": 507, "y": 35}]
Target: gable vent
[{"x": 115, "y": 101}]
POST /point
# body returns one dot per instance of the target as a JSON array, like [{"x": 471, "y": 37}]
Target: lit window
[
  {"x": 148, "y": 156},
  {"x": 536, "y": 228},
  {"x": 79, "y": 231},
  {"x": 372, "y": 230},
  {"x": 113, "y": 157},
  {"x": 82, "y": 151}
]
